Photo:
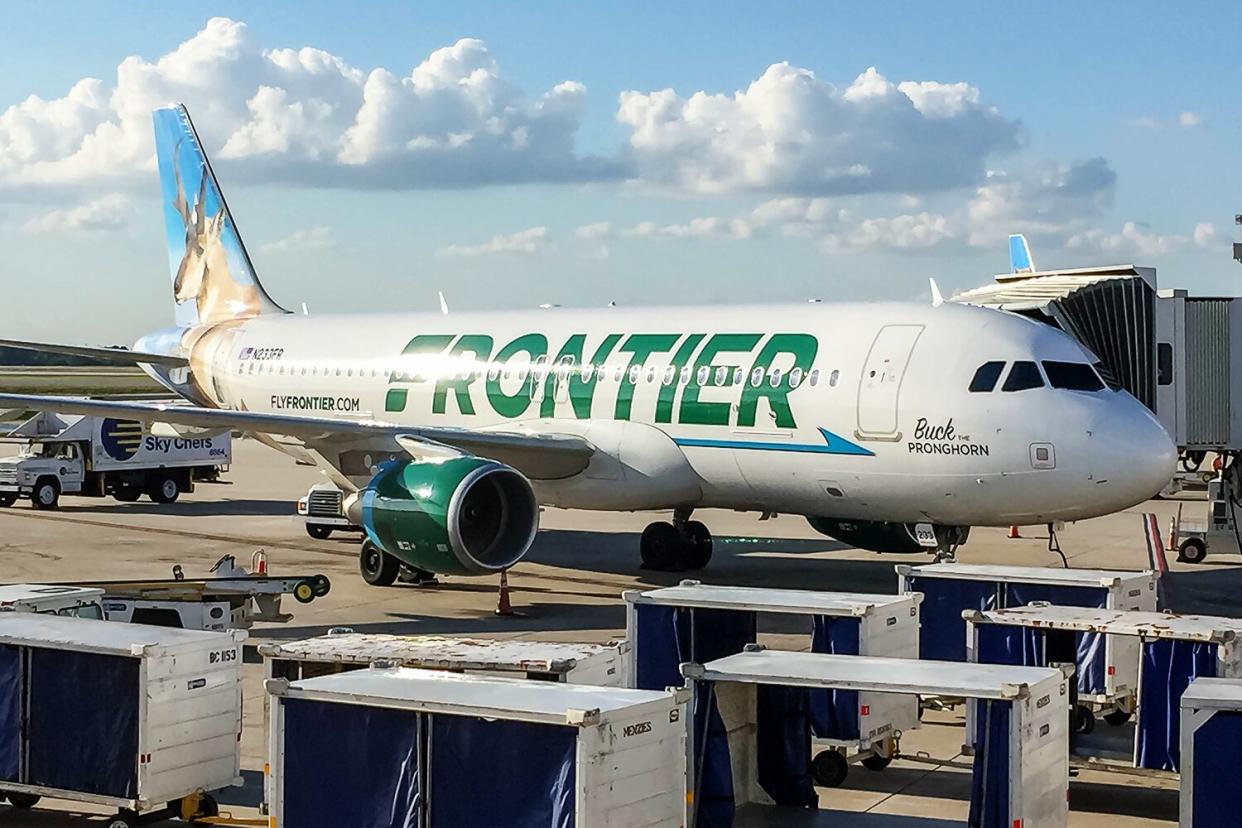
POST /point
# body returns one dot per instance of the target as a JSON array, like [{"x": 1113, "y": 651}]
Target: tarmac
[{"x": 568, "y": 589}]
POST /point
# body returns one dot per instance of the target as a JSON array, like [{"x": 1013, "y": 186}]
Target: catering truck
[{"x": 102, "y": 457}]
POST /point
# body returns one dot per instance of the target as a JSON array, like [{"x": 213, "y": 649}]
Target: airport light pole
[{"x": 1237, "y": 246}]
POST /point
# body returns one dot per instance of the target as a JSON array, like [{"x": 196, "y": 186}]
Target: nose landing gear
[{"x": 678, "y": 546}]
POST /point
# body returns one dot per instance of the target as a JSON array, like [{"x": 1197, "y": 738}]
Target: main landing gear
[{"x": 678, "y": 546}]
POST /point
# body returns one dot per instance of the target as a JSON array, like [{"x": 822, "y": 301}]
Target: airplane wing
[
  {"x": 110, "y": 354},
  {"x": 538, "y": 456}
]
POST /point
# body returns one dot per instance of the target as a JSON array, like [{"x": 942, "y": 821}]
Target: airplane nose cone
[{"x": 1132, "y": 455}]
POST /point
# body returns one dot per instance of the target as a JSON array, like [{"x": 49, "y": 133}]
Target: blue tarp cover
[
  {"x": 10, "y": 711},
  {"x": 1090, "y": 665},
  {"x": 834, "y": 713},
  {"x": 942, "y": 632},
  {"x": 83, "y": 733},
  {"x": 713, "y": 770},
  {"x": 1217, "y": 754},
  {"x": 784, "y": 745},
  {"x": 1009, "y": 645},
  {"x": 668, "y": 636},
  {"x": 989, "y": 781},
  {"x": 346, "y": 764},
  {"x": 1168, "y": 667},
  {"x": 498, "y": 772}
]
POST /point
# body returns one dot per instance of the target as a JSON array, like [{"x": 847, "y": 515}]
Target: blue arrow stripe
[{"x": 834, "y": 444}]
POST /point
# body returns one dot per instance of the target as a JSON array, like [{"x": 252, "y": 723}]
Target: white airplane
[{"x": 891, "y": 426}]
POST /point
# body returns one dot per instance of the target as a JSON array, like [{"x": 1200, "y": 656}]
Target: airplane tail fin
[
  {"x": 1020, "y": 255},
  {"x": 213, "y": 277}
]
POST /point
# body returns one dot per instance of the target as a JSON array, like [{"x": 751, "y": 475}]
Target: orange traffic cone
[
  {"x": 1013, "y": 532},
  {"x": 503, "y": 607}
]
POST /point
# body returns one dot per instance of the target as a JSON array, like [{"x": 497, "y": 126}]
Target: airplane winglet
[
  {"x": 1020, "y": 255},
  {"x": 443, "y": 304},
  {"x": 937, "y": 296}
]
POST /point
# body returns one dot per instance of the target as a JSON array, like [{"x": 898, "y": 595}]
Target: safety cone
[
  {"x": 1013, "y": 532},
  {"x": 503, "y": 607}
]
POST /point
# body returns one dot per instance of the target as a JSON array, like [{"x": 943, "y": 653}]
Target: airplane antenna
[
  {"x": 443, "y": 303},
  {"x": 937, "y": 296}
]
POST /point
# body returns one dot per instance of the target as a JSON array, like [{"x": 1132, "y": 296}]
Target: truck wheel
[
  {"x": 46, "y": 494},
  {"x": 23, "y": 800},
  {"x": 1192, "y": 550},
  {"x": 378, "y": 568},
  {"x": 322, "y": 585},
  {"x": 7, "y": 500},
  {"x": 127, "y": 494},
  {"x": 165, "y": 490},
  {"x": 318, "y": 532}
]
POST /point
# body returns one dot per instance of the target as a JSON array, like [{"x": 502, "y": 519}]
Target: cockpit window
[
  {"x": 986, "y": 377},
  {"x": 1072, "y": 376},
  {"x": 1023, "y": 375}
]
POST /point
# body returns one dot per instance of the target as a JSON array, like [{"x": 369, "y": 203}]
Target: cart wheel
[
  {"x": 1192, "y": 550},
  {"x": 829, "y": 769},
  {"x": 322, "y": 585},
  {"x": 304, "y": 592},
  {"x": 876, "y": 762},
  {"x": 1117, "y": 717},
  {"x": 124, "y": 818},
  {"x": 23, "y": 800},
  {"x": 207, "y": 806},
  {"x": 1084, "y": 720}
]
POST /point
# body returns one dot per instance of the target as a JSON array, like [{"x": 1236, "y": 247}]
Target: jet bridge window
[
  {"x": 1023, "y": 375},
  {"x": 1072, "y": 376},
  {"x": 985, "y": 378}
]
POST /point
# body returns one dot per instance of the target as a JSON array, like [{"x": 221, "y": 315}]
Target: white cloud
[
  {"x": 903, "y": 233},
  {"x": 706, "y": 227},
  {"x": 598, "y": 230},
  {"x": 1205, "y": 234},
  {"x": 791, "y": 132},
  {"x": 526, "y": 242},
  {"x": 309, "y": 238},
  {"x": 1048, "y": 203},
  {"x": 1189, "y": 119},
  {"x": 1132, "y": 241},
  {"x": 306, "y": 116},
  {"x": 110, "y": 212}
]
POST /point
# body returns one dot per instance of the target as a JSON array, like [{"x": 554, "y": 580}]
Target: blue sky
[{"x": 1106, "y": 131}]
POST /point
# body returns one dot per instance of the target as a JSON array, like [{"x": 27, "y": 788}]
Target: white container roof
[
  {"x": 707, "y": 596},
  {"x": 1058, "y": 576},
  {"x": 61, "y": 632},
  {"x": 1117, "y": 622},
  {"x": 881, "y": 675},
  {"x": 436, "y": 691},
  {"x": 35, "y": 592},
  {"x": 437, "y": 651},
  {"x": 1214, "y": 693}
]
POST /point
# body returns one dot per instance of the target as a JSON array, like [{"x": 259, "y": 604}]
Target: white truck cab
[
  {"x": 324, "y": 511},
  {"x": 53, "y": 599},
  {"x": 102, "y": 456}
]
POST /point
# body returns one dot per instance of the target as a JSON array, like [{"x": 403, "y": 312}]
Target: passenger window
[
  {"x": 1072, "y": 376},
  {"x": 776, "y": 378},
  {"x": 1022, "y": 376},
  {"x": 986, "y": 377},
  {"x": 813, "y": 377},
  {"x": 670, "y": 374},
  {"x": 703, "y": 375},
  {"x": 756, "y": 377},
  {"x": 634, "y": 375},
  {"x": 588, "y": 371},
  {"x": 833, "y": 377},
  {"x": 795, "y": 377},
  {"x": 739, "y": 376},
  {"x": 685, "y": 375},
  {"x": 722, "y": 373},
  {"x": 651, "y": 374}
]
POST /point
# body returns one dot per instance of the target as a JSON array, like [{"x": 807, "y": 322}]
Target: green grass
[{"x": 77, "y": 381}]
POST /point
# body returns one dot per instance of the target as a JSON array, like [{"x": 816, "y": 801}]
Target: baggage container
[
  {"x": 750, "y": 712},
  {"x": 700, "y": 622},
  {"x": 1211, "y": 751},
  {"x": 116, "y": 714},
  {"x": 950, "y": 589},
  {"x": 1171, "y": 652},
  {"x": 405, "y": 746}
]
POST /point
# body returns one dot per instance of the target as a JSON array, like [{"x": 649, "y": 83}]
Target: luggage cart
[
  {"x": 1211, "y": 740},
  {"x": 749, "y": 707},
  {"x": 700, "y": 622}
]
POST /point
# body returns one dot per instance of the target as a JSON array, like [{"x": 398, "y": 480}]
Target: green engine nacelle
[{"x": 459, "y": 516}]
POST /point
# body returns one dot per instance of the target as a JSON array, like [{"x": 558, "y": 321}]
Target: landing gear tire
[
  {"x": 1117, "y": 718},
  {"x": 1192, "y": 550},
  {"x": 661, "y": 547},
  {"x": 164, "y": 490},
  {"x": 46, "y": 494},
  {"x": 829, "y": 769},
  {"x": 698, "y": 545},
  {"x": 318, "y": 532},
  {"x": 377, "y": 567}
]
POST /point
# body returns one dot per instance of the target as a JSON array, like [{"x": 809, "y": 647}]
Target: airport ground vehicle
[
  {"x": 53, "y": 599},
  {"x": 104, "y": 456},
  {"x": 323, "y": 511}
]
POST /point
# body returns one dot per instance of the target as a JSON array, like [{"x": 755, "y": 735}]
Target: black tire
[
  {"x": 1117, "y": 718},
  {"x": 46, "y": 494},
  {"x": 322, "y": 585},
  {"x": 304, "y": 592},
  {"x": 876, "y": 762},
  {"x": 1084, "y": 720},
  {"x": 829, "y": 769},
  {"x": 377, "y": 567},
  {"x": 698, "y": 551},
  {"x": 127, "y": 494},
  {"x": 1192, "y": 550},
  {"x": 24, "y": 801},
  {"x": 165, "y": 489},
  {"x": 7, "y": 500},
  {"x": 661, "y": 547},
  {"x": 318, "y": 532}
]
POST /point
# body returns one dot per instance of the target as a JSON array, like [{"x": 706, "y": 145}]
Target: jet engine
[
  {"x": 883, "y": 536},
  {"x": 460, "y": 516}
]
